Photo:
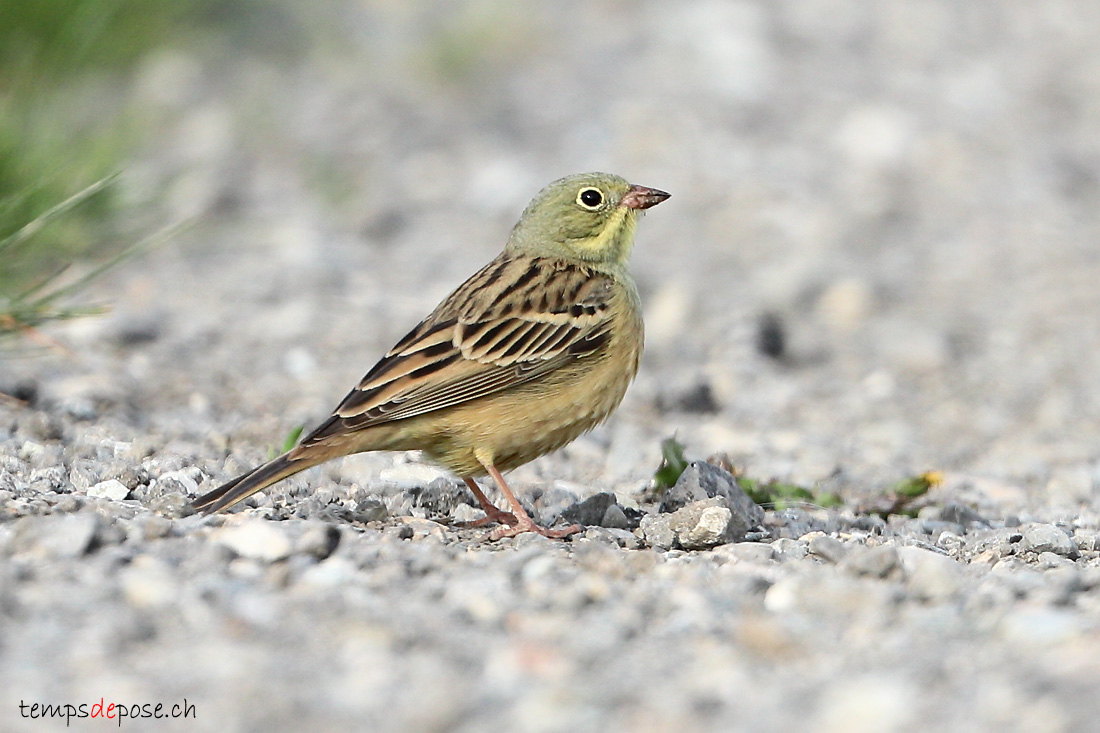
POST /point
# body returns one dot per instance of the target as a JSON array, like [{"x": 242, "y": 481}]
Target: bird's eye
[{"x": 590, "y": 198}]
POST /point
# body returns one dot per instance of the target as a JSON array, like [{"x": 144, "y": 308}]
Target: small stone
[
  {"x": 657, "y": 531},
  {"x": 1041, "y": 627},
  {"x": 591, "y": 511},
  {"x": 790, "y": 549},
  {"x": 464, "y": 513},
  {"x": 623, "y": 538},
  {"x": 827, "y": 548},
  {"x": 553, "y": 500},
  {"x": 370, "y": 509},
  {"x": 698, "y": 399},
  {"x": 441, "y": 496},
  {"x": 1086, "y": 541},
  {"x": 173, "y": 504},
  {"x": 1041, "y": 538},
  {"x": 333, "y": 572},
  {"x": 771, "y": 335},
  {"x": 929, "y": 575},
  {"x": 700, "y": 481},
  {"x": 704, "y": 524},
  {"x": 148, "y": 583},
  {"x": 319, "y": 540},
  {"x": 410, "y": 475},
  {"x": 110, "y": 489},
  {"x": 960, "y": 514},
  {"x": 751, "y": 552},
  {"x": 185, "y": 481},
  {"x": 1053, "y": 560},
  {"x": 60, "y": 537},
  {"x": 876, "y": 562},
  {"x": 616, "y": 518},
  {"x": 256, "y": 540}
]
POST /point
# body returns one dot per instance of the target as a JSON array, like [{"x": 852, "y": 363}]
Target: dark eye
[{"x": 590, "y": 198}]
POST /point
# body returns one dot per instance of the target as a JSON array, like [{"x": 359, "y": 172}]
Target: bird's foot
[
  {"x": 495, "y": 516},
  {"x": 525, "y": 524}
]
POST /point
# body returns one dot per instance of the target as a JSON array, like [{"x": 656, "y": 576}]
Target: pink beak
[{"x": 640, "y": 197}]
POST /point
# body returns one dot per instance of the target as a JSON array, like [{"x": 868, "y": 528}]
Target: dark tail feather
[{"x": 255, "y": 480}]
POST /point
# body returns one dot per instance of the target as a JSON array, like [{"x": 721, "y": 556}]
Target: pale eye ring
[{"x": 590, "y": 198}]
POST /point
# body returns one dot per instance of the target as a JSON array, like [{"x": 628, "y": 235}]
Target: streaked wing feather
[{"x": 515, "y": 320}]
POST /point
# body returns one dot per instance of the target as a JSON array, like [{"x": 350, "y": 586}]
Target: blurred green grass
[{"x": 66, "y": 121}]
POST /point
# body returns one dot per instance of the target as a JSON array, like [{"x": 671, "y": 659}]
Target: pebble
[
  {"x": 876, "y": 562},
  {"x": 319, "y": 540},
  {"x": 658, "y": 532},
  {"x": 790, "y": 549},
  {"x": 256, "y": 539},
  {"x": 110, "y": 489},
  {"x": 697, "y": 526},
  {"x": 1040, "y": 627},
  {"x": 616, "y": 518},
  {"x": 827, "y": 548},
  {"x": 702, "y": 525},
  {"x": 930, "y": 576},
  {"x": 149, "y": 582},
  {"x": 700, "y": 481},
  {"x": 59, "y": 537},
  {"x": 1041, "y": 538},
  {"x": 591, "y": 511},
  {"x": 410, "y": 475},
  {"x": 751, "y": 552},
  {"x": 185, "y": 481}
]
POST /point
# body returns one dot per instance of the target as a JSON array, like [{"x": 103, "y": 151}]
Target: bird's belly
[{"x": 519, "y": 426}]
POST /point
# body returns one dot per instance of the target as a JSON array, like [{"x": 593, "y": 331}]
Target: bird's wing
[{"x": 514, "y": 321}]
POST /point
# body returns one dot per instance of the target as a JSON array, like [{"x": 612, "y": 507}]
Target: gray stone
[
  {"x": 256, "y": 539},
  {"x": 59, "y": 537},
  {"x": 183, "y": 482},
  {"x": 591, "y": 511},
  {"x": 1054, "y": 560},
  {"x": 697, "y": 526},
  {"x": 1041, "y": 538},
  {"x": 319, "y": 540},
  {"x": 441, "y": 496},
  {"x": 110, "y": 489},
  {"x": 876, "y": 562},
  {"x": 704, "y": 524},
  {"x": 616, "y": 518},
  {"x": 790, "y": 549},
  {"x": 960, "y": 514},
  {"x": 553, "y": 500},
  {"x": 751, "y": 552},
  {"x": 657, "y": 531},
  {"x": 173, "y": 504},
  {"x": 370, "y": 509},
  {"x": 827, "y": 548},
  {"x": 701, "y": 480},
  {"x": 929, "y": 575},
  {"x": 1086, "y": 541},
  {"x": 149, "y": 582}
]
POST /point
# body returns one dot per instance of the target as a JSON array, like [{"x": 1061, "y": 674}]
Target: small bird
[{"x": 533, "y": 350}]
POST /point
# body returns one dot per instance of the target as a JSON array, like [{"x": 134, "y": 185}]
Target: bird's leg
[
  {"x": 492, "y": 514},
  {"x": 523, "y": 521}
]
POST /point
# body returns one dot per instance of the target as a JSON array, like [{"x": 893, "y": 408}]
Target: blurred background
[
  {"x": 880, "y": 255},
  {"x": 880, "y": 258}
]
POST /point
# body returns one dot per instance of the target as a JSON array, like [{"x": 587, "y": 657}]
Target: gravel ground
[{"x": 907, "y": 194}]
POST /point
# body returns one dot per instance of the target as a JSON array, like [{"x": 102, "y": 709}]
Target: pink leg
[
  {"x": 492, "y": 514},
  {"x": 523, "y": 522}
]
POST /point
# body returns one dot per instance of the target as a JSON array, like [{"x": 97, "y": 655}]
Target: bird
[{"x": 533, "y": 350}]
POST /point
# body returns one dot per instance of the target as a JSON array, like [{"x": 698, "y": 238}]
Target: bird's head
[{"x": 590, "y": 217}]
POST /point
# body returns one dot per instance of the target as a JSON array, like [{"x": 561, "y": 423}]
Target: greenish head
[{"x": 590, "y": 216}]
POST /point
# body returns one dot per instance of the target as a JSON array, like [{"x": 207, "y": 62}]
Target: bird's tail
[{"x": 255, "y": 480}]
